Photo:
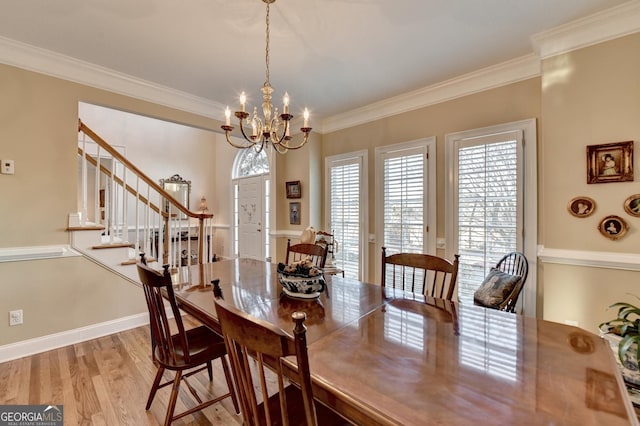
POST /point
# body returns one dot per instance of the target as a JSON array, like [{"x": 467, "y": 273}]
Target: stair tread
[
  {"x": 115, "y": 245},
  {"x": 86, "y": 228}
]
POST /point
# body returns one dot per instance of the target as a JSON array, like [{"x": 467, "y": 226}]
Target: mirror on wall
[{"x": 179, "y": 189}]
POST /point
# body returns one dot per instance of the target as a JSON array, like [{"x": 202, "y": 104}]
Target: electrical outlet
[
  {"x": 7, "y": 167},
  {"x": 15, "y": 317}
]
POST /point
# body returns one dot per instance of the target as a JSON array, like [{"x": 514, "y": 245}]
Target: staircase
[{"x": 124, "y": 213}]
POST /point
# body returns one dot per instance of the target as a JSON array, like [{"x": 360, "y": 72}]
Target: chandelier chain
[{"x": 266, "y": 51}]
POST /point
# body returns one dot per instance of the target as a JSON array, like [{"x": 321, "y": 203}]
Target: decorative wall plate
[
  {"x": 613, "y": 227},
  {"x": 632, "y": 205},
  {"x": 581, "y": 206}
]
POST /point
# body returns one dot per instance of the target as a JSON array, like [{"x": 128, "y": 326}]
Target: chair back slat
[
  {"x": 420, "y": 273},
  {"x": 154, "y": 283},
  {"x": 316, "y": 252},
  {"x": 514, "y": 263},
  {"x": 255, "y": 347}
]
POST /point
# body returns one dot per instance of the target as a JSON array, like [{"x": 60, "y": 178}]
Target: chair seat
[
  {"x": 204, "y": 345},
  {"x": 295, "y": 409}
]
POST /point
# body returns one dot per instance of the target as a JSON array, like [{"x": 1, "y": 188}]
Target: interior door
[{"x": 250, "y": 238}]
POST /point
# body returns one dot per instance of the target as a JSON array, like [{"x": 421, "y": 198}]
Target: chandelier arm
[
  {"x": 233, "y": 144},
  {"x": 251, "y": 141},
  {"x": 281, "y": 149},
  {"x": 279, "y": 140},
  {"x": 302, "y": 143},
  {"x": 259, "y": 150}
]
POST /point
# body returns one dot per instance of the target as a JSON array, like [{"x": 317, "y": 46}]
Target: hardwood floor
[{"x": 106, "y": 381}]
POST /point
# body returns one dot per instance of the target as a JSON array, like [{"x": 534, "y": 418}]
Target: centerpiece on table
[{"x": 301, "y": 279}]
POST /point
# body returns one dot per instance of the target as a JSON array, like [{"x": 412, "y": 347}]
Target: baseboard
[{"x": 69, "y": 337}]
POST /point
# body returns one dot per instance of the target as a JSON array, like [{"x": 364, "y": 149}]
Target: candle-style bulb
[
  {"x": 306, "y": 118},
  {"x": 285, "y": 103},
  {"x": 227, "y": 116},
  {"x": 243, "y": 101}
]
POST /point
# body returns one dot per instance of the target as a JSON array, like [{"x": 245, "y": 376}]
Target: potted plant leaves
[{"x": 623, "y": 335}]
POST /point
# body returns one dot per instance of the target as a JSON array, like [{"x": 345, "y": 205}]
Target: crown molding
[
  {"x": 597, "y": 28},
  {"x": 508, "y": 72},
  {"x": 46, "y": 62},
  {"x": 606, "y": 25}
]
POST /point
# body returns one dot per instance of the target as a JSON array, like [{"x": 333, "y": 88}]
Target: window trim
[
  {"x": 530, "y": 197},
  {"x": 362, "y": 158},
  {"x": 428, "y": 146}
]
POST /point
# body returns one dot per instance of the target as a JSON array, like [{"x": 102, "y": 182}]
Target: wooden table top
[{"x": 385, "y": 357}]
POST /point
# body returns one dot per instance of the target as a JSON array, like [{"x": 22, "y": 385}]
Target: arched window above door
[{"x": 250, "y": 163}]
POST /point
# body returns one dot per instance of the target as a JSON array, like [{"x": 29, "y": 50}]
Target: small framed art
[
  {"x": 610, "y": 162},
  {"x": 293, "y": 189},
  {"x": 613, "y": 227},
  {"x": 294, "y": 213},
  {"x": 632, "y": 205},
  {"x": 581, "y": 206}
]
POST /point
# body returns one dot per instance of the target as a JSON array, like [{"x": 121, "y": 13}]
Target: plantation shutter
[
  {"x": 489, "y": 205},
  {"x": 404, "y": 199},
  {"x": 344, "y": 197}
]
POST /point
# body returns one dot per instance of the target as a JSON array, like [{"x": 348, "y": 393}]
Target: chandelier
[{"x": 270, "y": 128}]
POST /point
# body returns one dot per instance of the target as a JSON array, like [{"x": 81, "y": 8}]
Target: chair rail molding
[
  {"x": 16, "y": 254},
  {"x": 594, "y": 259}
]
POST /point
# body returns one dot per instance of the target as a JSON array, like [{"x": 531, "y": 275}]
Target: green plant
[{"x": 625, "y": 325}]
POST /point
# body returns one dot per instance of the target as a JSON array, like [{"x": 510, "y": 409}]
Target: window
[
  {"x": 406, "y": 204},
  {"x": 486, "y": 201},
  {"x": 346, "y": 183}
]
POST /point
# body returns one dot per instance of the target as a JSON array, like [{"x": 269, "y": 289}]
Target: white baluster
[
  {"x": 112, "y": 212},
  {"x": 83, "y": 213},
  {"x": 125, "y": 200},
  {"x": 97, "y": 217}
]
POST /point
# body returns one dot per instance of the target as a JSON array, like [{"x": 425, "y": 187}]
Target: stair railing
[{"x": 121, "y": 193}]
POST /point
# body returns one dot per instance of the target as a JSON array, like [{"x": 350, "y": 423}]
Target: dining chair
[
  {"x": 257, "y": 350},
  {"x": 501, "y": 288},
  {"x": 420, "y": 273},
  {"x": 296, "y": 252},
  {"x": 186, "y": 352}
]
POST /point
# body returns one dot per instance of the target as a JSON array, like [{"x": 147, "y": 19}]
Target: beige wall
[
  {"x": 38, "y": 130},
  {"x": 514, "y": 102},
  {"x": 590, "y": 96}
]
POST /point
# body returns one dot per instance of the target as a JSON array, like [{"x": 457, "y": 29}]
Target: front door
[{"x": 250, "y": 238}]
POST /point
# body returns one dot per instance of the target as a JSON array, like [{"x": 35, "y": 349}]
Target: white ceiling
[{"x": 332, "y": 56}]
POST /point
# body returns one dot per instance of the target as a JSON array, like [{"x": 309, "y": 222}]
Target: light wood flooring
[{"x": 106, "y": 381}]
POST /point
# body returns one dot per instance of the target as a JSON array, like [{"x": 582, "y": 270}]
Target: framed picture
[
  {"x": 581, "y": 206},
  {"x": 613, "y": 227},
  {"x": 611, "y": 162},
  {"x": 293, "y": 189},
  {"x": 294, "y": 213},
  {"x": 632, "y": 205}
]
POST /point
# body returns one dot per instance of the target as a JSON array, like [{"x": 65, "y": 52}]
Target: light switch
[{"x": 7, "y": 167}]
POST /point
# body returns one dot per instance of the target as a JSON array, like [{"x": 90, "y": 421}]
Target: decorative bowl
[{"x": 301, "y": 286}]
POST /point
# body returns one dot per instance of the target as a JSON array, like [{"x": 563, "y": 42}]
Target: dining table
[{"x": 381, "y": 356}]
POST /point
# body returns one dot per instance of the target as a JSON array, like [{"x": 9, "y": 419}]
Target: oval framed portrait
[
  {"x": 632, "y": 205},
  {"x": 581, "y": 206},
  {"x": 613, "y": 227}
]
